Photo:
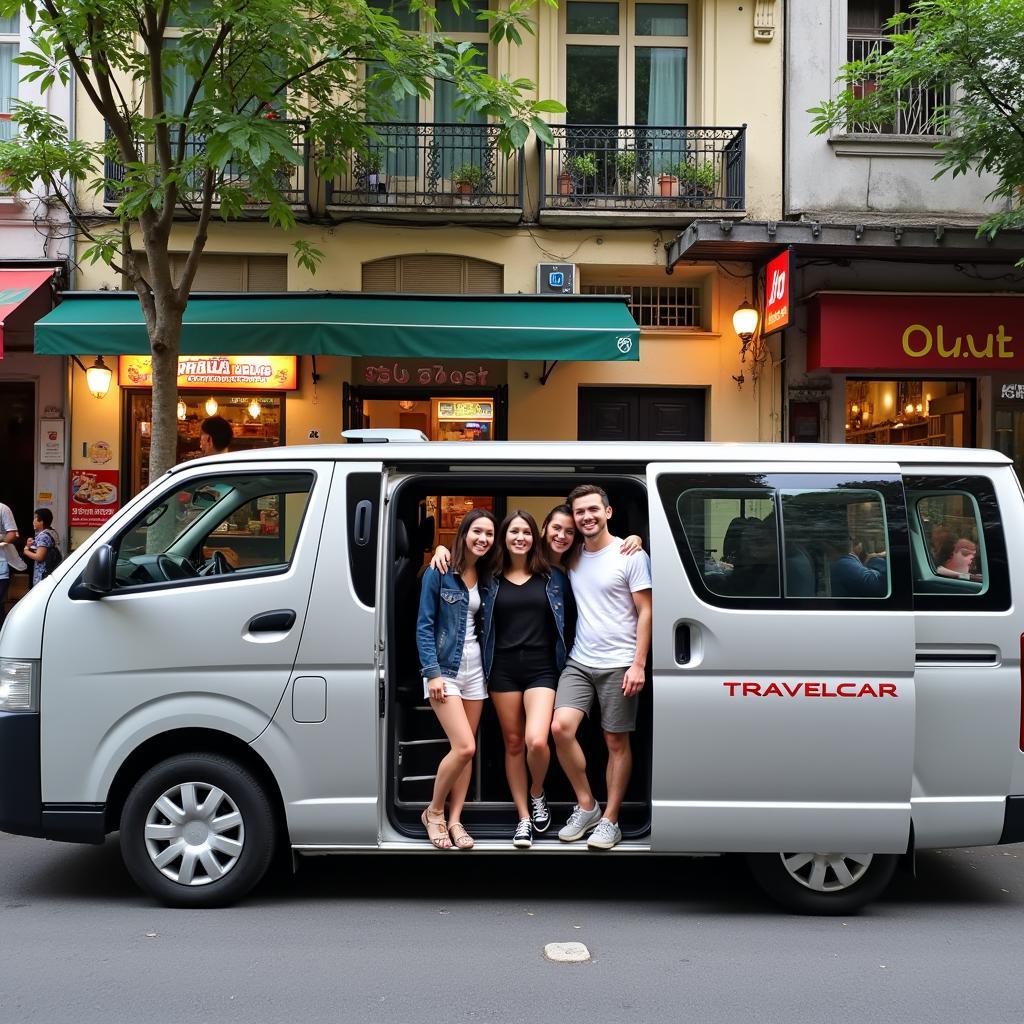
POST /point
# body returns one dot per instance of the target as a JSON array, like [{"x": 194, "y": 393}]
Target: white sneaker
[
  {"x": 522, "y": 838},
  {"x": 605, "y": 836},
  {"x": 580, "y": 823}
]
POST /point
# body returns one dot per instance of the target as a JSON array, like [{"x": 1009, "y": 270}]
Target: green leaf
[
  {"x": 518, "y": 134},
  {"x": 548, "y": 107}
]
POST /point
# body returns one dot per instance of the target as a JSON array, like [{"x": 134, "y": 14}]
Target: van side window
[
  {"x": 363, "y": 511},
  {"x": 820, "y": 539},
  {"x": 213, "y": 526},
  {"x": 958, "y": 556}
]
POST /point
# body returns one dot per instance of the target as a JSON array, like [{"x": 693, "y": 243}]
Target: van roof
[{"x": 574, "y": 452}]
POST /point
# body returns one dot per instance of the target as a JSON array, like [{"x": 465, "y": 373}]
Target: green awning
[{"x": 535, "y": 327}]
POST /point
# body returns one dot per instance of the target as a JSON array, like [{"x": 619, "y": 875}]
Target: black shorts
[{"x": 522, "y": 669}]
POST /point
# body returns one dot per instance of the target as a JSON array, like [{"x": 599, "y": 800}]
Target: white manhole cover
[{"x": 567, "y": 952}]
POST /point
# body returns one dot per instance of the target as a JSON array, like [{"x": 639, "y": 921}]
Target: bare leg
[
  {"x": 620, "y": 767},
  {"x": 570, "y": 754},
  {"x": 539, "y": 702},
  {"x": 509, "y": 707},
  {"x": 452, "y": 716},
  {"x": 474, "y": 709}
]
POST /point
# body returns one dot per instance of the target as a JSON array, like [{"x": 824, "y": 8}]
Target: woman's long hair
[
  {"x": 485, "y": 565},
  {"x": 537, "y": 563},
  {"x": 569, "y": 558}
]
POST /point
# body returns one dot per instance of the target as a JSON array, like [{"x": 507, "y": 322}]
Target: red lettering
[
  {"x": 772, "y": 690},
  {"x": 456, "y": 377},
  {"x": 401, "y": 374},
  {"x": 470, "y": 378},
  {"x": 423, "y": 374},
  {"x": 887, "y": 690},
  {"x": 481, "y": 376},
  {"x": 812, "y": 689},
  {"x": 731, "y": 687},
  {"x": 867, "y": 690},
  {"x": 793, "y": 691},
  {"x": 751, "y": 690},
  {"x": 847, "y": 689}
]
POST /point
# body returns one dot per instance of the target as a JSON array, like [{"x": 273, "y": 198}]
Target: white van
[{"x": 228, "y": 668}]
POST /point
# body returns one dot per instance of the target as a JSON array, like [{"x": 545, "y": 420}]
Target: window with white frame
[
  {"x": 9, "y": 43},
  {"x": 626, "y": 62},
  {"x": 866, "y": 34}
]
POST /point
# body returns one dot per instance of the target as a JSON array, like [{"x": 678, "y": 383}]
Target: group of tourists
[{"x": 545, "y": 622}]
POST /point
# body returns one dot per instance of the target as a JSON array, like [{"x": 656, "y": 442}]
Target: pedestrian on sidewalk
[{"x": 8, "y": 535}]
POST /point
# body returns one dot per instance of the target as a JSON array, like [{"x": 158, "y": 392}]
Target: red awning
[{"x": 19, "y": 305}]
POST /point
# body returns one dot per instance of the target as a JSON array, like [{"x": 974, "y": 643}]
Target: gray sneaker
[
  {"x": 580, "y": 823},
  {"x": 605, "y": 836}
]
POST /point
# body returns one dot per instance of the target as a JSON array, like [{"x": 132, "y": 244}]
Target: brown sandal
[
  {"x": 459, "y": 836},
  {"x": 437, "y": 831}
]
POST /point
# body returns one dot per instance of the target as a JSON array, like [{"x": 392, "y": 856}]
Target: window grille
[{"x": 657, "y": 305}]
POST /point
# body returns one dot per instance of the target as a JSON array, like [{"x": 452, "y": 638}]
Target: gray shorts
[{"x": 578, "y": 685}]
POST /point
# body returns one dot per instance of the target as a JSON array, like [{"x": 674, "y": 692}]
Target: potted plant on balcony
[
  {"x": 697, "y": 181},
  {"x": 625, "y": 172},
  {"x": 376, "y": 182},
  {"x": 577, "y": 167},
  {"x": 467, "y": 179},
  {"x": 668, "y": 183}
]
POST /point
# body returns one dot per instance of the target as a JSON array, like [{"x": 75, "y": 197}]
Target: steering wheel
[
  {"x": 216, "y": 565},
  {"x": 172, "y": 570}
]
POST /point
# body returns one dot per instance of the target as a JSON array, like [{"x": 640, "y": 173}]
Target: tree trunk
[{"x": 165, "y": 342}]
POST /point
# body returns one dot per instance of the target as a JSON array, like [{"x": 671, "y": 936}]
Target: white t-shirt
[
  {"x": 603, "y": 583},
  {"x": 474, "y": 607},
  {"x": 7, "y": 524}
]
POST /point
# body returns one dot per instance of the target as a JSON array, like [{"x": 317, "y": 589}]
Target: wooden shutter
[
  {"x": 381, "y": 275},
  {"x": 483, "y": 278},
  {"x": 267, "y": 274},
  {"x": 433, "y": 273}
]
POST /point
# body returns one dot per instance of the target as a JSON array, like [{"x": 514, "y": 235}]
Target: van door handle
[
  {"x": 279, "y": 621},
  {"x": 682, "y": 644}
]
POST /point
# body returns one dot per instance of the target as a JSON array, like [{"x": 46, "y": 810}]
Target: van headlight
[{"x": 19, "y": 685}]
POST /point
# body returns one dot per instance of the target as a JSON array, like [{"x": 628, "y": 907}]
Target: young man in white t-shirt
[{"x": 607, "y": 661}]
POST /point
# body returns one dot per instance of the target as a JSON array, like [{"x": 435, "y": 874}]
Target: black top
[{"x": 522, "y": 615}]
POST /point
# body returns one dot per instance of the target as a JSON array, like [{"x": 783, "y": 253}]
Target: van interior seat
[{"x": 407, "y": 601}]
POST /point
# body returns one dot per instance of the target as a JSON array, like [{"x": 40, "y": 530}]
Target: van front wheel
[
  {"x": 823, "y": 883},
  {"x": 197, "y": 830}
]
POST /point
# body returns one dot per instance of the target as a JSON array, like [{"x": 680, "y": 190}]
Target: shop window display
[{"x": 915, "y": 412}]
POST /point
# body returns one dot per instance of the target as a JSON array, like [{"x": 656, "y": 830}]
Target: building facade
[{"x": 662, "y": 129}]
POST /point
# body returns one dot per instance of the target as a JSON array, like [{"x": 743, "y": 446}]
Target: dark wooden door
[
  {"x": 17, "y": 442},
  {"x": 641, "y": 414}
]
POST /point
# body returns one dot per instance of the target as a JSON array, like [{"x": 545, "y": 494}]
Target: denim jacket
[
  {"x": 560, "y": 600},
  {"x": 441, "y": 625}
]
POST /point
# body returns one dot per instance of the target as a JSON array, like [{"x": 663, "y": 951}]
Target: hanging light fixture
[
  {"x": 254, "y": 409},
  {"x": 97, "y": 378},
  {"x": 182, "y": 411},
  {"x": 211, "y": 406},
  {"x": 406, "y": 404}
]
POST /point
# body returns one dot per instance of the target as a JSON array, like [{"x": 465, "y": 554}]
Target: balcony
[
  {"x": 639, "y": 174},
  {"x": 291, "y": 179},
  {"x": 430, "y": 172}
]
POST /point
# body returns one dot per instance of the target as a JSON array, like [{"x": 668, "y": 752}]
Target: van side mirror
[{"x": 99, "y": 576}]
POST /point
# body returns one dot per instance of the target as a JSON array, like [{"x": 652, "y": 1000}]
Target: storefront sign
[
  {"x": 952, "y": 333},
  {"x": 467, "y": 410},
  {"x": 51, "y": 441},
  {"x": 776, "y": 306},
  {"x": 94, "y": 496},
  {"x": 242, "y": 373},
  {"x": 419, "y": 373}
]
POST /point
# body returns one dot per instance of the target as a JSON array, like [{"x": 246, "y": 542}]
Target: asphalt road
[{"x": 453, "y": 938}]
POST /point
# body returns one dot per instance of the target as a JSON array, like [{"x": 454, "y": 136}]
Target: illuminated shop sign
[{"x": 241, "y": 373}]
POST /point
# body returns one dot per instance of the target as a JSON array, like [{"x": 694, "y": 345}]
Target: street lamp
[
  {"x": 97, "y": 378},
  {"x": 744, "y": 323}
]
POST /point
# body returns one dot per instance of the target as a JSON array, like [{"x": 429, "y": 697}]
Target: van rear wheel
[
  {"x": 823, "y": 883},
  {"x": 197, "y": 830}
]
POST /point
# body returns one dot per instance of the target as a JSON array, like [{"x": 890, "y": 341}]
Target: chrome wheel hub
[
  {"x": 194, "y": 833},
  {"x": 826, "y": 872}
]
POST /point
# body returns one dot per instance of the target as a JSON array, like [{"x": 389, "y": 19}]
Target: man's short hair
[
  {"x": 219, "y": 430},
  {"x": 586, "y": 489},
  {"x": 45, "y": 516}
]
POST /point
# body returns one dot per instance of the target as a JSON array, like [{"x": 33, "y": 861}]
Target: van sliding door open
[{"x": 783, "y": 655}]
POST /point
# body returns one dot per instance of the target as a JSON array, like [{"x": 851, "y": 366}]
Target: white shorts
[{"x": 469, "y": 684}]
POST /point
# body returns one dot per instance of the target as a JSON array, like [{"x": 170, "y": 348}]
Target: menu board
[{"x": 94, "y": 496}]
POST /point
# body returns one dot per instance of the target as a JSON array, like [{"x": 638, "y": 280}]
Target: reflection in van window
[
  {"x": 836, "y": 544},
  {"x": 947, "y": 544},
  {"x": 731, "y": 533},
  {"x": 215, "y": 525}
]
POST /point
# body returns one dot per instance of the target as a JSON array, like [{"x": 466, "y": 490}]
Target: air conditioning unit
[{"x": 556, "y": 278}]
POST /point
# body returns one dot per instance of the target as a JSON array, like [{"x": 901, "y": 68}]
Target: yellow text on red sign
[{"x": 242, "y": 373}]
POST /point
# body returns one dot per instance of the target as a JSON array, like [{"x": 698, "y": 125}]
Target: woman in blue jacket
[
  {"x": 452, "y": 664},
  {"x": 524, "y": 646}
]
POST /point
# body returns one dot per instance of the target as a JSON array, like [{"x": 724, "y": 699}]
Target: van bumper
[
  {"x": 22, "y": 812},
  {"x": 1013, "y": 821}
]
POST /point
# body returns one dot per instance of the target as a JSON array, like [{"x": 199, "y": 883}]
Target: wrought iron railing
[
  {"x": 640, "y": 167},
  {"x": 292, "y": 180},
  {"x": 918, "y": 104},
  {"x": 431, "y": 166}
]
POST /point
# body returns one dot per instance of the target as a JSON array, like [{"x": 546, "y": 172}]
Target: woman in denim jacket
[{"x": 452, "y": 664}]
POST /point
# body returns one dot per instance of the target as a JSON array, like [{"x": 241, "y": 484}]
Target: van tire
[
  {"x": 782, "y": 885},
  {"x": 221, "y": 791}
]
